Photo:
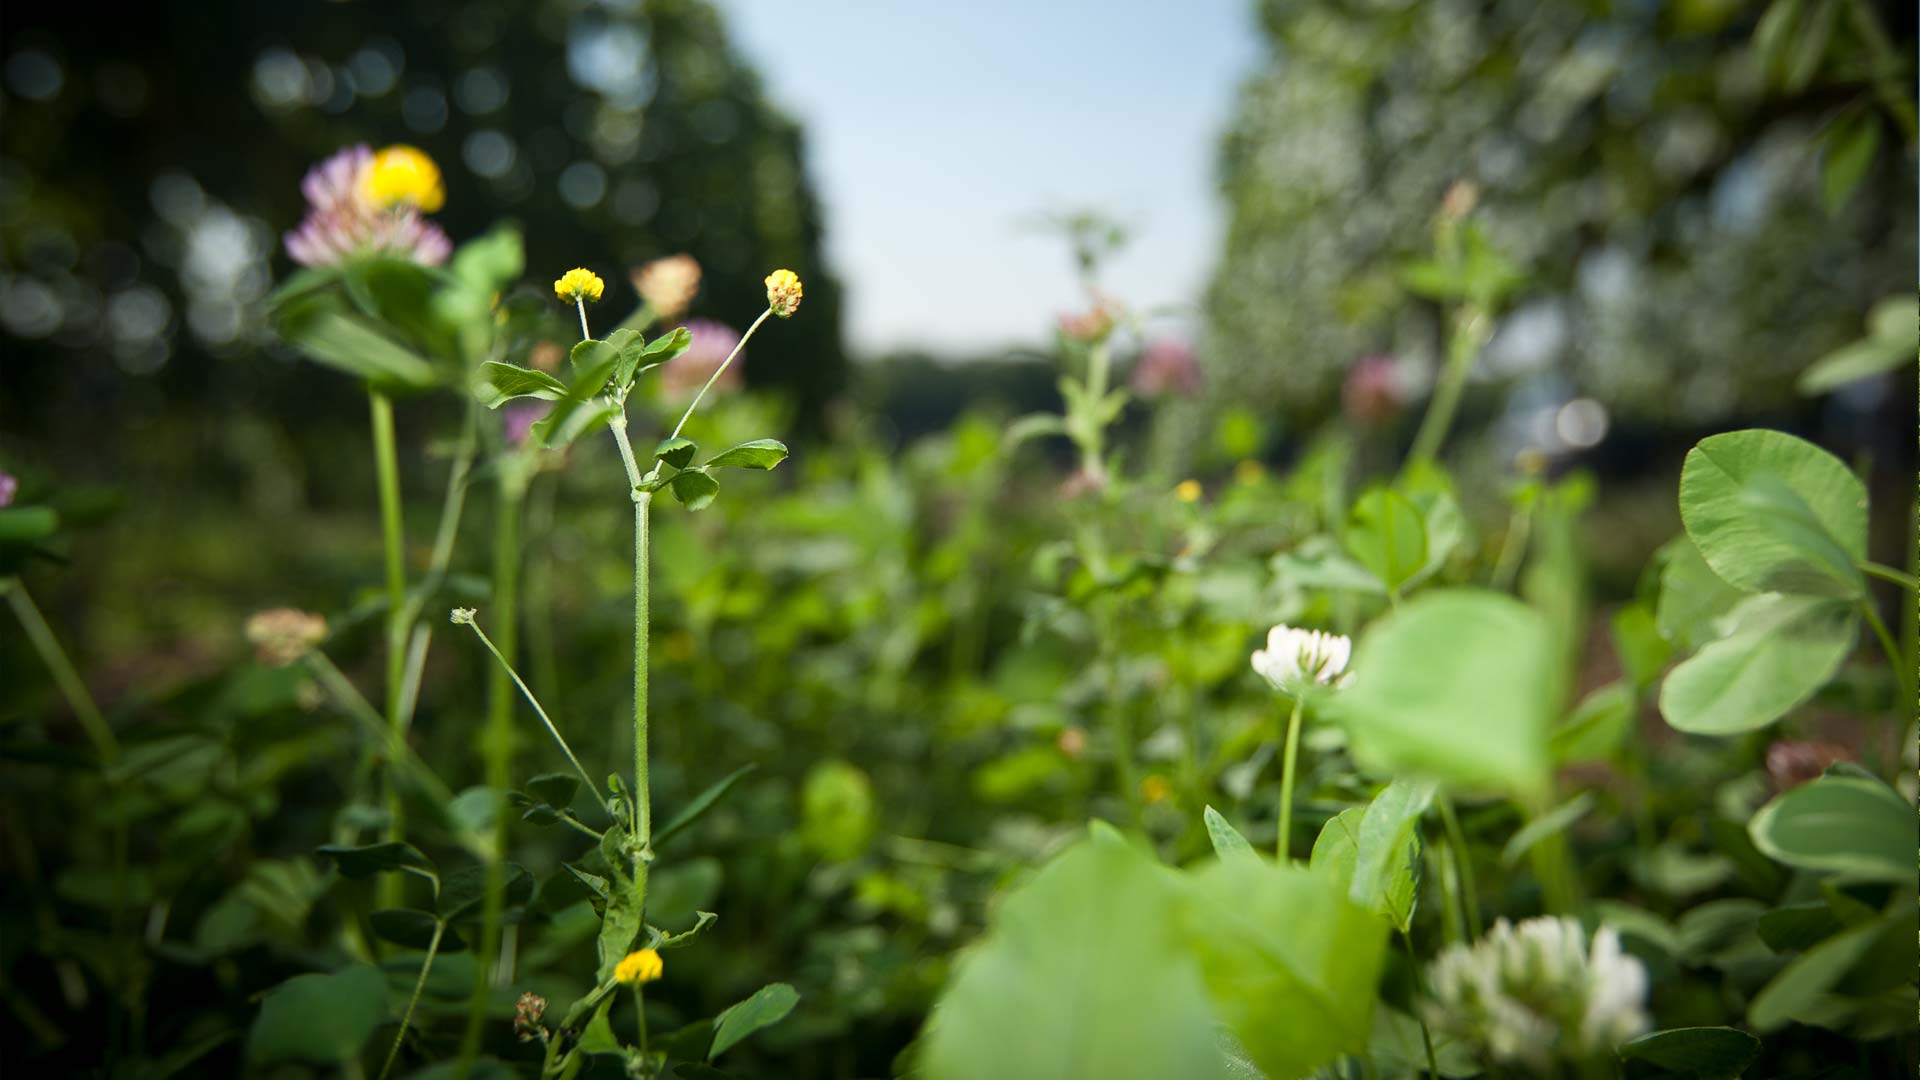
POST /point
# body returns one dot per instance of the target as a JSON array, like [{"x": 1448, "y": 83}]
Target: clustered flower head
[
  {"x": 639, "y": 967},
  {"x": 1531, "y": 994},
  {"x": 1188, "y": 491},
  {"x": 712, "y": 343},
  {"x": 1166, "y": 369},
  {"x": 461, "y": 616},
  {"x": 1374, "y": 391},
  {"x": 281, "y": 636},
  {"x": 579, "y": 284},
  {"x": 1094, "y": 324},
  {"x": 783, "y": 293},
  {"x": 362, "y": 203},
  {"x": 668, "y": 285},
  {"x": 1295, "y": 659},
  {"x": 8, "y": 487},
  {"x": 527, "y": 1012}
]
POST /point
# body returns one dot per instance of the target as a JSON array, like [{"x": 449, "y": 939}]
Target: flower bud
[{"x": 783, "y": 293}]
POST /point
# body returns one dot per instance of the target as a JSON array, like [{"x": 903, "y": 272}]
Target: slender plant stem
[
  {"x": 544, "y": 718},
  {"x": 717, "y": 372},
  {"x": 387, "y": 471},
  {"x": 1289, "y": 761},
  {"x": 581, "y": 303},
  {"x": 1462, "y": 866},
  {"x": 642, "y": 824},
  {"x": 398, "y": 752},
  {"x": 1895, "y": 657},
  {"x": 419, "y": 984},
  {"x": 452, "y": 509},
  {"x": 1426, "y": 1036},
  {"x": 1462, "y": 347},
  {"x": 65, "y": 675},
  {"x": 640, "y": 1015},
  {"x": 497, "y": 752},
  {"x": 1888, "y": 573}
]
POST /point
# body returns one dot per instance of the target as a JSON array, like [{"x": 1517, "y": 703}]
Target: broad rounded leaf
[
  {"x": 414, "y": 929},
  {"x": 676, "y": 451},
  {"x": 319, "y": 1019},
  {"x": 1460, "y": 685},
  {"x": 1386, "y": 534},
  {"x": 694, "y": 488},
  {"x": 464, "y": 891},
  {"x": 1852, "y": 826},
  {"x": 555, "y": 789},
  {"x": 758, "y": 454},
  {"x": 769, "y": 1005},
  {"x": 1772, "y": 513},
  {"x": 1780, "y": 651},
  {"x": 1712, "y": 1053},
  {"x": 500, "y": 383},
  {"x": 358, "y": 862}
]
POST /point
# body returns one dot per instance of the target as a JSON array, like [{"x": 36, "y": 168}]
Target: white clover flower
[
  {"x": 1295, "y": 659},
  {"x": 1533, "y": 994}
]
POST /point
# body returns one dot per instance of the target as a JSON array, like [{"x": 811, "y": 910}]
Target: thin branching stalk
[
  {"x": 1462, "y": 346},
  {"x": 419, "y": 984},
  {"x": 717, "y": 372},
  {"x": 544, "y": 718}
]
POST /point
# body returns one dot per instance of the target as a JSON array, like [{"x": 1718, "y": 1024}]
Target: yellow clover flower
[
  {"x": 1187, "y": 491},
  {"x": 402, "y": 175},
  {"x": 579, "y": 284},
  {"x": 639, "y": 967},
  {"x": 783, "y": 293}
]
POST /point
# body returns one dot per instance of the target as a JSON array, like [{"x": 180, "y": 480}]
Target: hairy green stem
[
  {"x": 642, "y": 629},
  {"x": 387, "y": 470},
  {"x": 406, "y": 1018},
  {"x": 1289, "y": 761}
]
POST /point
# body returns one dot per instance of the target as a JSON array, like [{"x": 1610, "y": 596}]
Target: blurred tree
[
  {"x": 150, "y": 159},
  {"x": 1708, "y": 195}
]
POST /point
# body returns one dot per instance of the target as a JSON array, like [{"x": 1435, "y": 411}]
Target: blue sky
[{"x": 939, "y": 132}]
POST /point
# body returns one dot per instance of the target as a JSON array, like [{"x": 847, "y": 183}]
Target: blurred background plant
[{"x": 945, "y": 649}]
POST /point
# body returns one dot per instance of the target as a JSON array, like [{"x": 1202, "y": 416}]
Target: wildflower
[
  {"x": 1093, "y": 325},
  {"x": 403, "y": 176},
  {"x": 1086, "y": 480},
  {"x": 517, "y": 420},
  {"x": 526, "y": 1016},
  {"x": 1295, "y": 659},
  {"x": 461, "y": 616},
  {"x": 1155, "y": 788},
  {"x": 1461, "y": 197},
  {"x": 1528, "y": 995},
  {"x": 1187, "y": 491},
  {"x": 639, "y": 967},
  {"x": 281, "y": 636},
  {"x": 1373, "y": 392},
  {"x": 1249, "y": 471},
  {"x": 345, "y": 221},
  {"x": 579, "y": 284},
  {"x": 668, "y": 285},
  {"x": 783, "y": 293},
  {"x": 1166, "y": 369},
  {"x": 1072, "y": 741},
  {"x": 713, "y": 342},
  {"x": 8, "y": 486}
]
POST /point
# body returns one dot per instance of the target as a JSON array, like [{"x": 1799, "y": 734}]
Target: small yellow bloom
[
  {"x": 1187, "y": 491},
  {"x": 402, "y": 174},
  {"x": 1155, "y": 789},
  {"x": 783, "y": 292},
  {"x": 639, "y": 967},
  {"x": 1249, "y": 471},
  {"x": 578, "y": 284}
]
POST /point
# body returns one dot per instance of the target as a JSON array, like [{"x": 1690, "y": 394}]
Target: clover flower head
[
  {"x": 1166, "y": 369},
  {"x": 1249, "y": 471},
  {"x": 461, "y": 616},
  {"x": 579, "y": 284},
  {"x": 351, "y": 212},
  {"x": 1295, "y": 659},
  {"x": 280, "y": 636},
  {"x": 8, "y": 488},
  {"x": 712, "y": 343},
  {"x": 518, "y": 417},
  {"x": 527, "y": 1012},
  {"x": 668, "y": 285},
  {"x": 1188, "y": 491},
  {"x": 1374, "y": 391},
  {"x": 1155, "y": 789},
  {"x": 642, "y": 966},
  {"x": 402, "y": 176},
  {"x": 1093, "y": 325},
  {"x": 783, "y": 293},
  {"x": 1539, "y": 992}
]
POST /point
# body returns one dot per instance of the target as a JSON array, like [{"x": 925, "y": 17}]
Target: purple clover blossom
[
  {"x": 1167, "y": 369},
  {"x": 517, "y": 419},
  {"x": 8, "y": 485},
  {"x": 712, "y": 343},
  {"x": 341, "y": 223}
]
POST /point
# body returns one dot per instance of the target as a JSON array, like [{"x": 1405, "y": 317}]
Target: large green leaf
[
  {"x": 1711, "y": 1053},
  {"x": 1848, "y": 825},
  {"x": 758, "y": 454},
  {"x": 1387, "y": 851},
  {"x": 1460, "y": 685},
  {"x": 769, "y": 1005},
  {"x": 1291, "y": 965},
  {"x": 354, "y": 345},
  {"x": 318, "y": 1019},
  {"x": 1081, "y": 976},
  {"x": 1772, "y": 513},
  {"x": 500, "y": 383},
  {"x": 1780, "y": 651},
  {"x": 1803, "y": 990}
]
